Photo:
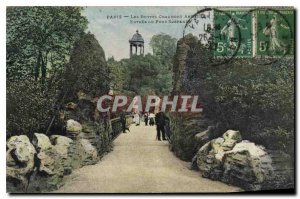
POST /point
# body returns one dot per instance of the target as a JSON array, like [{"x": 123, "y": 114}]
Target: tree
[
  {"x": 146, "y": 75},
  {"x": 258, "y": 100},
  {"x": 29, "y": 109},
  {"x": 117, "y": 74},
  {"x": 164, "y": 47},
  {"x": 87, "y": 71},
  {"x": 39, "y": 40}
]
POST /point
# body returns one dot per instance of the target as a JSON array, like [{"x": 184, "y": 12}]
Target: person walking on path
[
  {"x": 151, "y": 119},
  {"x": 160, "y": 119},
  {"x": 123, "y": 122},
  {"x": 146, "y": 118},
  {"x": 136, "y": 119}
]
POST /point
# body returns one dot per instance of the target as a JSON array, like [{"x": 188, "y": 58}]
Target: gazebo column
[{"x": 136, "y": 42}]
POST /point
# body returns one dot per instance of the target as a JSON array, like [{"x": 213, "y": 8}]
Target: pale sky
[{"x": 114, "y": 34}]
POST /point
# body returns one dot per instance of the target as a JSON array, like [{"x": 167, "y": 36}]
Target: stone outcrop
[
  {"x": 41, "y": 165},
  {"x": 248, "y": 165},
  {"x": 202, "y": 137},
  {"x": 97, "y": 135},
  {"x": 65, "y": 148},
  {"x": 211, "y": 155},
  {"x": 19, "y": 163},
  {"x": 243, "y": 163},
  {"x": 41, "y": 142},
  {"x": 91, "y": 127},
  {"x": 88, "y": 152},
  {"x": 73, "y": 127},
  {"x": 55, "y": 158},
  {"x": 49, "y": 170}
]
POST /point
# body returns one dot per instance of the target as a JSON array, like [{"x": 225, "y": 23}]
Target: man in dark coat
[
  {"x": 146, "y": 118},
  {"x": 123, "y": 121},
  {"x": 160, "y": 119}
]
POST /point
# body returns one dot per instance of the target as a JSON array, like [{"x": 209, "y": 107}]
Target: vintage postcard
[{"x": 150, "y": 99}]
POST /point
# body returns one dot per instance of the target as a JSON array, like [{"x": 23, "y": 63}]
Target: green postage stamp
[
  {"x": 260, "y": 32},
  {"x": 275, "y": 32}
]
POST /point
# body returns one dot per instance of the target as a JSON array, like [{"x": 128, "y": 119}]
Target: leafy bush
[
  {"x": 29, "y": 107},
  {"x": 256, "y": 99},
  {"x": 39, "y": 40},
  {"x": 143, "y": 75},
  {"x": 87, "y": 71}
]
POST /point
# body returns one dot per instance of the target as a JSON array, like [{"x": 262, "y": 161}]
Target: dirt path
[{"x": 138, "y": 164}]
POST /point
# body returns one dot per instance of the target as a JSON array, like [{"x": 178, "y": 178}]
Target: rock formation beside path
[
  {"x": 19, "y": 163},
  {"x": 240, "y": 162},
  {"x": 40, "y": 165}
]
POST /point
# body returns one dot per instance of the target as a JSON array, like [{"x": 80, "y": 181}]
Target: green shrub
[
  {"x": 87, "y": 71},
  {"x": 256, "y": 99},
  {"x": 29, "y": 107}
]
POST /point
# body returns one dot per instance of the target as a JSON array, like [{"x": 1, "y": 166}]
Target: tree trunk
[
  {"x": 44, "y": 69},
  {"x": 37, "y": 68}
]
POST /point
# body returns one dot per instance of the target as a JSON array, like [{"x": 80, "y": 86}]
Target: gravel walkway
[{"x": 140, "y": 164}]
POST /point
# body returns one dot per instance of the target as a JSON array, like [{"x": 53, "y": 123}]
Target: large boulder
[
  {"x": 233, "y": 135},
  {"x": 247, "y": 165},
  {"x": 49, "y": 170},
  {"x": 19, "y": 163},
  {"x": 65, "y": 149},
  {"x": 73, "y": 127},
  {"x": 202, "y": 137},
  {"x": 47, "y": 154},
  {"x": 255, "y": 168},
  {"x": 97, "y": 135},
  {"x": 88, "y": 152},
  {"x": 41, "y": 142},
  {"x": 207, "y": 162},
  {"x": 210, "y": 157}
]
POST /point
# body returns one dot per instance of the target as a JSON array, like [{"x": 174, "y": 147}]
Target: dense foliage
[
  {"x": 243, "y": 94},
  {"x": 87, "y": 70},
  {"x": 258, "y": 100},
  {"x": 118, "y": 74},
  {"x": 146, "y": 75},
  {"x": 39, "y": 40},
  {"x": 164, "y": 48},
  {"x": 29, "y": 107}
]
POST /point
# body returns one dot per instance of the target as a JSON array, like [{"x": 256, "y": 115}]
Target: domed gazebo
[{"x": 137, "y": 41}]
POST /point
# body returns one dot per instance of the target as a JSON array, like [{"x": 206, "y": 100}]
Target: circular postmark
[{"x": 217, "y": 31}]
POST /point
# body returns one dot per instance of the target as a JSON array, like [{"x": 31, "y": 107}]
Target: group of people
[
  {"x": 159, "y": 119},
  {"x": 149, "y": 118}
]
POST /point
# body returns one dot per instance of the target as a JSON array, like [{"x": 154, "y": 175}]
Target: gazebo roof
[{"x": 137, "y": 38}]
